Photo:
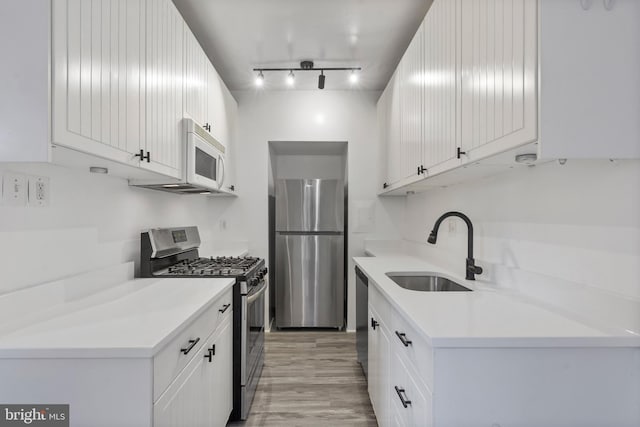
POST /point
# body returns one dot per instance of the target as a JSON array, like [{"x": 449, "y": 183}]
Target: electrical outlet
[
  {"x": 39, "y": 191},
  {"x": 452, "y": 225},
  {"x": 14, "y": 190}
]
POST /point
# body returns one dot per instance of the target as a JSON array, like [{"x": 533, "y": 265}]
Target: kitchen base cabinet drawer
[
  {"x": 407, "y": 341},
  {"x": 173, "y": 358},
  {"x": 411, "y": 401}
]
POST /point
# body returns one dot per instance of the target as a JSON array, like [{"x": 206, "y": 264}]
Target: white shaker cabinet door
[
  {"x": 164, "y": 53},
  {"x": 182, "y": 403},
  {"x": 230, "y": 141},
  {"x": 440, "y": 83},
  {"x": 379, "y": 350},
  {"x": 98, "y": 83},
  {"x": 411, "y": 76},
  {"x": 220, "y": 379},
  {"x": 196, "y": 75},
  {"x": 216, "y": 113},
  {"x": 498, "y": 75},
  {"x": 394, "y": 152}
]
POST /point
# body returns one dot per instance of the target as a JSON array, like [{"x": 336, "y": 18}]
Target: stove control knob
[{"x": 253, "y": 282}]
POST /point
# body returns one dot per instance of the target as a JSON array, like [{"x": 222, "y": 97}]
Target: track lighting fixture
[{"x": 308, "y": 66}]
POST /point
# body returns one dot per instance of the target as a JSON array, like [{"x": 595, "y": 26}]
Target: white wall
[
  {"x": 308, "y": 116},
  {"x": 568, "y": 236},
  {"x": 93, "y": 220}
]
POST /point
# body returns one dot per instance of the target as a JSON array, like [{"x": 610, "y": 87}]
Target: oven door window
[{"x": 206, "y": 165}]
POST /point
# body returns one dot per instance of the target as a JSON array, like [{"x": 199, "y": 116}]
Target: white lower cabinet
[
  {"x": 398, "y": 394},
  {"x": 202, "y": 394},
  {"x": 412, "y": 383}
]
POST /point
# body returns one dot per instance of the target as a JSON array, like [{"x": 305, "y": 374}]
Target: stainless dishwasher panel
[
  {"x": 362, "y": 326},
  {"x": 309, "y": 280}
]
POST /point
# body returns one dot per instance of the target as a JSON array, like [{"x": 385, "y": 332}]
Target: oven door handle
[{"x": 251, "y": 299}]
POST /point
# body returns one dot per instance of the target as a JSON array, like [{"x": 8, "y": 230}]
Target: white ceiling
[{"x": 239, "y": 35}]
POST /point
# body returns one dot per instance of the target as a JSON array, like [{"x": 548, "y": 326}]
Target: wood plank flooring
[{"x": 311, "y": 379}]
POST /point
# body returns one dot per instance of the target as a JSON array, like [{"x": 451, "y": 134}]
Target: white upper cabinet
[
  {"x": 164, "y": 134},
  {"x": 411, "y": 107},
  {"x": 98, "y": 62},
  {"x": 498, "y": 75},
  {"x": 196, "y": 79},
  {"x": 230, "y": 120},
  {"x": 506, "y": 77},
  {"x": 392, "y": 136},
  {"x": 216, "y": 112},
  {"x": 122, "y": 77},
  {"x": 439, "y": 84}
]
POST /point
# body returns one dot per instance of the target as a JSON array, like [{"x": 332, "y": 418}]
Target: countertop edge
[
  {"x": 498, "y": 342},
  {"x": 111, "y": 352}
]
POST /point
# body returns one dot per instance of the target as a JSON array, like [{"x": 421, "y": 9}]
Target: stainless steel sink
[{"x": 426, "y": 282}]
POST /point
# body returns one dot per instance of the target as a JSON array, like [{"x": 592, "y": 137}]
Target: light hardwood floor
[{"x": 311, "y": 379}]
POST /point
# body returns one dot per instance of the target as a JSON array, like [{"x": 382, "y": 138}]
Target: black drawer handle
[
  {"x": 403, "y": 338},
  {"x": 224, "y": 308},
  {"x": 405, "y": 402},
  {"x": 374, "y": 324},
  {"x": 192, "y": 344},
  {"x": 209, "y": 355}
]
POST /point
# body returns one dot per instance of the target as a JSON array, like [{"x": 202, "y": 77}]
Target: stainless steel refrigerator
[{"x": 309, "y": 253}]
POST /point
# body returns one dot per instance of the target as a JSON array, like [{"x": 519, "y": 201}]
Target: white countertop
[
  {"x": 133, "y": 319},
  {"x": 482, "y": 318}
]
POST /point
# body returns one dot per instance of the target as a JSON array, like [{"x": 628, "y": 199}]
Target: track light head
[
  {"x": 353, "y": 77},
  {"x": 260, "y": 79},
  {"x": 321, "y": 78}
]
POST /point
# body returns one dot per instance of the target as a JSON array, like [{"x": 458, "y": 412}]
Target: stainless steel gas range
[{"x": 173, "y": 252}]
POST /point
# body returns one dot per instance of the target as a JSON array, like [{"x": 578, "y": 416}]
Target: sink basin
[{"x": 426, "y": 282}]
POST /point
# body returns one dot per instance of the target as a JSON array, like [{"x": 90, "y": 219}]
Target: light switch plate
[
  {"x": 39, "y": 191},
  {"x": 14, "y": 189}
]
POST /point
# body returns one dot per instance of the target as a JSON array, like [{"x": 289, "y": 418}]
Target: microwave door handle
[{"x": 223, "y": 172}]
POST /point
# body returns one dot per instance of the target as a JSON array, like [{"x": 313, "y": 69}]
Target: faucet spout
[{"x": 471, "y": 268}]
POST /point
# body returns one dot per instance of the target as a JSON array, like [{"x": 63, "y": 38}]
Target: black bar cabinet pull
[
  {"x": 209, "y": 355},
  {"x": 192, "y": 343},
  {"x": 224, "y": 308},
  {"x": 143, "y": 157},
  {"x": 374, "y": 324},
  {"x": 405, "y": 402},
  {"x": 403, "y": 338},
  {"x": 459, "y": 152},
  {"x": 213, "y": 349}
]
